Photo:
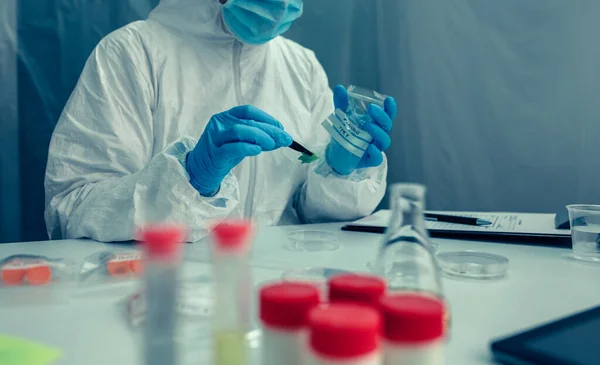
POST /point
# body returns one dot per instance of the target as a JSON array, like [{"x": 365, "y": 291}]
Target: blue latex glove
[
  {"x": 378, "y": 128},
  {"x": 229, "y": 137}
]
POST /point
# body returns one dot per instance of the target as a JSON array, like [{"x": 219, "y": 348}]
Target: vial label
[
  {"x": 127, "y": 256},
  {"x": 346, "y": 133}
]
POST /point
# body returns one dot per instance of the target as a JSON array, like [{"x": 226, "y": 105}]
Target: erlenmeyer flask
[{"x": 406, "y": 259}]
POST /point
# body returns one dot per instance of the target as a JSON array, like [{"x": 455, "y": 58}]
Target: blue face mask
[{"x": 259, "y": 21}]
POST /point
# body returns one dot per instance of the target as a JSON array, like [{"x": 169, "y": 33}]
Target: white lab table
[{"x": 542, "y": 284}]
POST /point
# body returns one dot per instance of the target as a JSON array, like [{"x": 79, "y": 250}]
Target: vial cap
[
  {"x": 344, "y": 330},
  {"x": 36, "y": 271},
  {"x": 162, "y": 241},
  {"x": 412, "y": 318},
  {"x": 13, "y": 276},
  {"x": 286, "y": 305},
  {"x": 232, "y": 235},
  {"x": 365, "y": 289},
  {"x": 39, "y": 275}
]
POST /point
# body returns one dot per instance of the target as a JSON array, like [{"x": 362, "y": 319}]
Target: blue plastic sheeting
[
  {"x": 9, "y": 159},
  {"x": 497, "y": 100},
  {"x": 51, "y": 40}
]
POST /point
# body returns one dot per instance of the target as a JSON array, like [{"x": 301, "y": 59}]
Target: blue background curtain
[
  {"x": 43, "y": 47},
  {"x": 498, "y": 100}
]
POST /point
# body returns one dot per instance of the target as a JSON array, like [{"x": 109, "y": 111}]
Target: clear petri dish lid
[
  {"x": 312, "y": 240},
  {"x": 473, "y": 264}
]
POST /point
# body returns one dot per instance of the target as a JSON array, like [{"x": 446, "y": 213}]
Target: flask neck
[
  {"x": 408, "y": 212},
  {"x": 408, "y": 206}
]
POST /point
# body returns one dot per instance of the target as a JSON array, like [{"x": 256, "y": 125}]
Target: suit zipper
[{"x": 237, "y": 81}]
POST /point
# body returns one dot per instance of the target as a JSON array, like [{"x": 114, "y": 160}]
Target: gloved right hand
[{"x": 229, "y": 137}]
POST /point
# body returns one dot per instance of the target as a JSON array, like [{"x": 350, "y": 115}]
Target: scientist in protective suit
[{"x": 185, "y": 117}]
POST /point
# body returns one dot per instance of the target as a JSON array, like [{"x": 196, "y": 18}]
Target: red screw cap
[
  {"x": 412, "y": 318},
  {"x": 162, "y": 241},
  {"x": 286, "y": 305},
  {"x": 365, "y": 289},
  {"x": 232, "y": 235},
  {"x": 344, "y": 330}
]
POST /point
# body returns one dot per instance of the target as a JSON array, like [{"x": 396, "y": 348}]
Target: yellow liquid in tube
[{"x": 230, "y": 348}]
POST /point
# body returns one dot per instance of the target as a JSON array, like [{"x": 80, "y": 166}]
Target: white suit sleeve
[
  {"x": 103, "y": 179},
  {"x": 327, "y": 195}
]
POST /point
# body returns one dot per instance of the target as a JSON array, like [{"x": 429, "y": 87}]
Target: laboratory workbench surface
[{"x": 543, "y": 283}]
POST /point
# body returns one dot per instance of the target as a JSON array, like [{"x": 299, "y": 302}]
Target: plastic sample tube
[
  {"x": 413, "y": 329},
  {"x": 163, "y": 248},
  {"x": 231, "y": 320},
  {"x": 344, "y": 334},
  {"x": 283, "y": 311}
]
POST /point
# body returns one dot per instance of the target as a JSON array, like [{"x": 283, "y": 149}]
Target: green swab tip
[{"x": 308, "y": 159}]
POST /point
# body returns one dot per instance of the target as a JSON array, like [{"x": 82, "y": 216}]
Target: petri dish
[
  {"x": 473, "y": 264},
  {"x": 312, "y": 240}
]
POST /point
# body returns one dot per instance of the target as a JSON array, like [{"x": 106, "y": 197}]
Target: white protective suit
[{"x": 117, "y": 155}]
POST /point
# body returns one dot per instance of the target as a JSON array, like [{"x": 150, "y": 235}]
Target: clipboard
[{"x": 533, "y": 228}]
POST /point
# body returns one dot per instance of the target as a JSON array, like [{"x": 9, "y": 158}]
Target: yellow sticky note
[{"x": 17, "y": 351}]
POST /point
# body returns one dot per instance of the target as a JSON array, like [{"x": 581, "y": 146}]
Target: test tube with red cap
[
  {"x": 413, "y": 329},
  {"x": 163, "y": 249},
  {"x": 344, "y": 334},
  {"x": 231, "y": 320},
  {"x": 283, "y": 312}
]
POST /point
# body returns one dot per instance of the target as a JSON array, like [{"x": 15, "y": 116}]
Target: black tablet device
[{"x": 574, "y": 340}]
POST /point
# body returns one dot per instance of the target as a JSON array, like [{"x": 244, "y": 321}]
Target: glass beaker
[
  {"x": 406, "y": 259},
  {"x": 585, "y": 231}
]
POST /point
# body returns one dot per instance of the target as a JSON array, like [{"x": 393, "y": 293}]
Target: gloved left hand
[{"x": 378, "y": 128}]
